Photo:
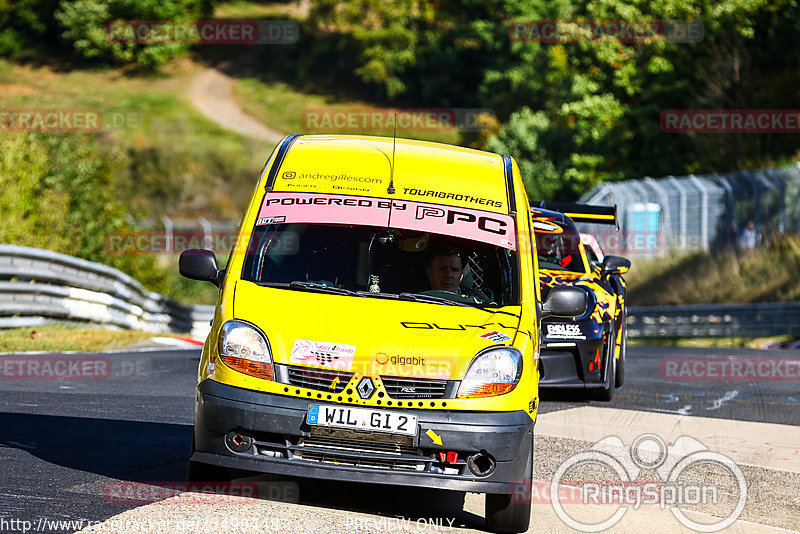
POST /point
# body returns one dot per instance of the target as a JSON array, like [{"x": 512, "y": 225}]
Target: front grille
[
  {"x": 360, "y": 453},
  {"x": 335, "y": 443},
  {"x": 410, "y": 388},
  {"x": 319, "y": 379}
]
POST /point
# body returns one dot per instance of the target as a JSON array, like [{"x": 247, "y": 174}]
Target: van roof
[{"x": 423, "y": 171}]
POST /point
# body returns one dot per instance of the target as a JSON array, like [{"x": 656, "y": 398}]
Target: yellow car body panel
[
  {"x": 440, "y": 344},
  {"x": 461, "y": 176},
  {"x": 347, "y": 192},
  {"x": 479, "y": 173}
]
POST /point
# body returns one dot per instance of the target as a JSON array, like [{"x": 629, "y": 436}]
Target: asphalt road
[
  {"x": 651, "y": 385},
  {"x": 61, "y": 441}
]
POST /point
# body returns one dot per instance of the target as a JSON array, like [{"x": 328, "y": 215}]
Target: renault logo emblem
[{"x": 366, "y": 388}]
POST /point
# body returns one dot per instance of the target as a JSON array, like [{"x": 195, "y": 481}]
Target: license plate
[{"x": 362, "y": 419}]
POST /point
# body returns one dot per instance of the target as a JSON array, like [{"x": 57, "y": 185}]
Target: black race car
[{"x": 586, "y": 352}]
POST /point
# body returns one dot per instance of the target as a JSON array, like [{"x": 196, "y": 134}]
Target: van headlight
[
  {"x": 244, "y": 348},
  {"x": 492, "y": 372}
]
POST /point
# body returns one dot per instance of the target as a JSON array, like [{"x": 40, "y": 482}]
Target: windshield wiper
[
  {"x": 378, "y": 295},
  {"x": 316, "y": 286},
  {"x": 430, "y": 299}
]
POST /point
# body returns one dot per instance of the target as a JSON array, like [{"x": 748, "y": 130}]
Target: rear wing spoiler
[{"x": 583, "y": 212}]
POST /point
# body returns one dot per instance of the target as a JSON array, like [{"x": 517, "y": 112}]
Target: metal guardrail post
[
  {"x": 663, "y": 199},
  {"x": 168, "y": 230},
  {"x": 703, "y": 210},
  {"x": 756, "y": 199},
  {"x": 681, "y": 210},
  {"x": 775, "y": 175},
  {"x": 207, "y": 241},
  {"x": 730, "y": 206}
]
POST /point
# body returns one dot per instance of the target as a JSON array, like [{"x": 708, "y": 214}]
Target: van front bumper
[{"x": 282, "y": 443}]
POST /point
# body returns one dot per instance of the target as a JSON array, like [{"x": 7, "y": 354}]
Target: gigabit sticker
[
  {"x": 495, "y": 337},
  {"x": 331, "y": 355}
]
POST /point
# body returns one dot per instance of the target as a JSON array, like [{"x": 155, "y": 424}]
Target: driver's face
[{"x": 445, "y": 273}]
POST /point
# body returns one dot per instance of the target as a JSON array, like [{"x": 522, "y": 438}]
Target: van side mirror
[
  {"x": 200, "y": 264},
  {"x": 565, "y": 301},
  {"x": 615, "y": 265}
]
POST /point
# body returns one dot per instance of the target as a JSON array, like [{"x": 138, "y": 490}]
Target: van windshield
[{"x": 382, "y": 262}]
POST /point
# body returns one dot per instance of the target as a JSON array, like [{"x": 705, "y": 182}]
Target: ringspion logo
[{"x": 689, "y": 474}]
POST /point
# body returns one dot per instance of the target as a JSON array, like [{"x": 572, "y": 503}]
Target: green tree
[
  {"x": 60, "y": 194},
  {"x": 601, "y": 99},
  {"x": 45, "y": 25},
  {"x": 522, "y": 138},
  {"x": 84, "y": 26},
  {"x": 25, "y": 24}
]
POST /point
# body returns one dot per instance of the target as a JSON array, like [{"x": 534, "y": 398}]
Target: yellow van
[{"x": 378, "y": 322}]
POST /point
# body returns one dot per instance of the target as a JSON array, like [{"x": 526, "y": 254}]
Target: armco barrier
[
  {"x": 715, "y": 320},
  {"x": 39, "y": 285}
]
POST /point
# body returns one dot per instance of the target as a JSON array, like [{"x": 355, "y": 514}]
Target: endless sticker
[{"x": 567, "y": 331}]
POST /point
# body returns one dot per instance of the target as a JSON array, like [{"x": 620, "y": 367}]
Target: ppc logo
[
  {"x": 647, "y": 452},
  {"x": 427, "y": 211}
]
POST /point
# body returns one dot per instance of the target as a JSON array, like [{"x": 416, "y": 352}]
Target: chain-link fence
[{"x": 708, "y": 212}]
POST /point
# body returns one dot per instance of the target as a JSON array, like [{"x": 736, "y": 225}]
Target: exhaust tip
[{"x": 481, "y": 464}]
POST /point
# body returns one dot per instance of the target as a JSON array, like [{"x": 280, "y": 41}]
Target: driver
[{"x": 445, "y": 270}]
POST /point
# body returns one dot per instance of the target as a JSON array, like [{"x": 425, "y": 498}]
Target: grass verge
[
  {"x": 63, "y": 337},
  {"x": 177, "y": 162},
  {"x": 167, "y": 159},
  {"x": 249, "y": 10},
  {"x": 285, "y": 109},
  {"x": 769, "y": 274}
]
